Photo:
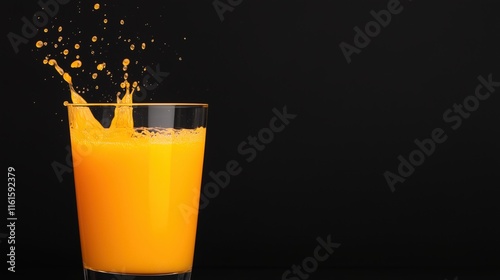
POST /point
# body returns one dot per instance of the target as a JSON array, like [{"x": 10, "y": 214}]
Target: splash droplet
[
  {"x": 67, "y": 78},
  {"x": 76, "y": 64}
]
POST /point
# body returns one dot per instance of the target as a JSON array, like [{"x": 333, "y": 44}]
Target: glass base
[{"x": 100, "y": 275}]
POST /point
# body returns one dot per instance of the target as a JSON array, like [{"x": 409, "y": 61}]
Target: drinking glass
[{"x": 137, "y": 174}]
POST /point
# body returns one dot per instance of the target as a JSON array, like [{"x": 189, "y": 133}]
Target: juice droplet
[
  {"x": 65, "y": 52},
  {"x": 126, "y": 62},
  {"x": 105, "y": 20},
  {"x": 132, "y": 47},
  {"x": 94, "y": 76},
  {"x": 143, "y": 46},
  {"x": 101, "y": 66},
  {"x": 39, "y": 44},
  {"x": 67, "y": 78},
  {"x": 76, "y": 64},
  {"x": 59, "y": 29},
  {"x": 59, "y": 39},
  {"x": 96, "y": 6},
  {"x": 77, "y": 46},
  {"x": 122, "y": 22},
  {"x": 45, "y": 30},
  {"x": 52, "y": 62},
  {"x": 94, "y": 39}
]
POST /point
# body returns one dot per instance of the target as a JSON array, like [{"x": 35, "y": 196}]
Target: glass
[{"x": 137, "y": 171}]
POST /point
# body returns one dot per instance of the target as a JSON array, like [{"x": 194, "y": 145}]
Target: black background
[{"x": 323, "y": 175}]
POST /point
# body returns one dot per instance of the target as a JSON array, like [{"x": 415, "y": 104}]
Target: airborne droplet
[
  {"x": 67, "y": 78},
  {"x": 76, "y": 64}
]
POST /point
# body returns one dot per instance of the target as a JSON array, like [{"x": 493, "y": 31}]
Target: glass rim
[{"x": 114, "y": 104}]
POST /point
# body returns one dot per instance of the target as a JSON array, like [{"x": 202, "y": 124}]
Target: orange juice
[
  {"x": 132, "y": 183},
  {"x": 129, "y": 189}
]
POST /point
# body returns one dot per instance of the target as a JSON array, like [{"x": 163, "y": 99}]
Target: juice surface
[{"x": 129, "y": 195}]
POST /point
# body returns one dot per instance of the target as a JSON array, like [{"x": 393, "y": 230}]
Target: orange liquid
[{"x": 129, "y": 194}]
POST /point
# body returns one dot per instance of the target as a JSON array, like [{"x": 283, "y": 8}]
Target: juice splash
[
  {"x": 123, "y": 114},
  {"x": 91, "y": 44}
]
